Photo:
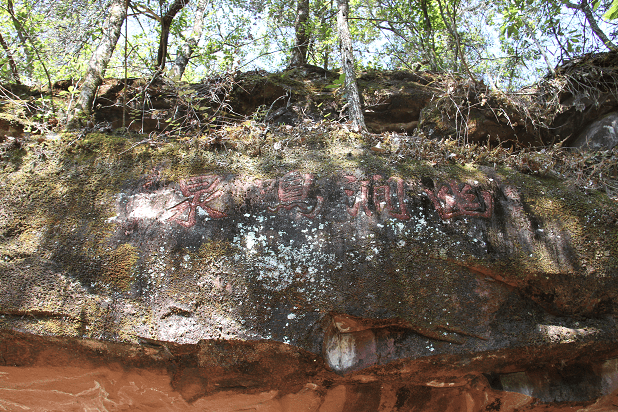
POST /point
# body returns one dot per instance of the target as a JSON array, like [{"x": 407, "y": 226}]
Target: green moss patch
[{"x": 118, "y": 267}]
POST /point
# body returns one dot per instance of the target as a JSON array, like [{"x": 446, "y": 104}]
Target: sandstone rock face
[
  {"x": 395, "y": 101},
  {"x": 602, "y": 134},
  {"x": 59, "y": 374},
  {"x": 397, "y": 105},
  {"x": 8, "y": 130},
  {"x": 367, "y": 285}
]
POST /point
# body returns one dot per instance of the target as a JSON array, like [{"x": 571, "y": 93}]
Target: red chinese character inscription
[
  {"x": 294, "y": 192},
  {"x": 382, "y": 198},
  {"x": 293, "y": 189},
  {"x": 359, "y": 201},
  {"x": 199, "y": 192},
  {"x": 452, "y": 201}
]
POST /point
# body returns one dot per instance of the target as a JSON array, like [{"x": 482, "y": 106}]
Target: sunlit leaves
[
  {"x": 498, "y": 39},
  {"x": 612, "y": 12}
]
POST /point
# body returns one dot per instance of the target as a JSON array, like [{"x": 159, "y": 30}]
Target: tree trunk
[
  {"x": 347, "y": 65},
  {"x": 166, "y": 22},
  {"x": 430, "y": 43},
  {"x": 585, "y": 7},
  {"x": 186, "y": 50},
  {"x": 22, "y": 37},
  {"x": 299, "y": 52},
  {"x": 324, "y": 18},
  {"x": 541, "y": 49},
  {"x": 450, "y": 21},
  {"x": 163, "y": 39},
  {"x": 99, "y": 60},
  {"x": 9, "y": 55}
]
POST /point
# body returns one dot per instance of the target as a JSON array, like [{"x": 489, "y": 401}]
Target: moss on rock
[{"x": 119, "y": 265}]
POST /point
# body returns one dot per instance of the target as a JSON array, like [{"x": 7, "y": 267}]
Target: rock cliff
[{"x": 300, "y": 268}]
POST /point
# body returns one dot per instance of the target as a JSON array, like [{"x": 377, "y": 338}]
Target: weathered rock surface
[
  {"x": 589, "y": 97},
  {"x": 60, "y": 374},
  {"x": 559, "y": 110},
  {"x": 601, "y": 134},
  {"x": 393, "y": 282}
]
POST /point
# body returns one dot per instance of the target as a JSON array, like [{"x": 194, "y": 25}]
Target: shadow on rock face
[
  {"x": 601, "y": 134},
  {"x": 572, "y": 383}
]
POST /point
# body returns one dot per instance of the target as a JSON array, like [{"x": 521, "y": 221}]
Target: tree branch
[
  {"x": 145, "y": 11},
  {"x": 166, "y": 22},
  {"x": 12, "y": 64},
  {"x": 595, "y": 27}
]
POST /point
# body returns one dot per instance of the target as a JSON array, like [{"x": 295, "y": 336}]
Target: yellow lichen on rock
[{"x": 118, "y": 268}]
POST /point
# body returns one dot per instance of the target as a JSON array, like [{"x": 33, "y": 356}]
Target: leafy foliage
[
  {"x": 504, "y": 42},
  {"x": 612, "y": 12}
]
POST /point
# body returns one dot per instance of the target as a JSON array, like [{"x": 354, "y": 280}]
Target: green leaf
[
  {"x": 612, "y": 13},
  {"x": 337, "y": 83}
]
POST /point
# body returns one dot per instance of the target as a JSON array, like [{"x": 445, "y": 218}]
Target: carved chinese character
[
  {"x": 454, "y": 200},
  {"x": 382, "y": 198},
  {"x": 382, "y": 195},
  {"x": 293, "y": 192},
  {"x": 199, "y": 191},
  {"x": 361, "y": 199}
]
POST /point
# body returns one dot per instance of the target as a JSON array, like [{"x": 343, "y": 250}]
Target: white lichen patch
[
  {"x": 277, "y": 259},
  {"x": 562, "y": 334}
]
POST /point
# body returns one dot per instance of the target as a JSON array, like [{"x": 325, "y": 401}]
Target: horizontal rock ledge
[{"x": 236, "y": 375}]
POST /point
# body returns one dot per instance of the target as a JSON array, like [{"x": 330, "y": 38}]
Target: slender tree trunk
[
  {"x": 541, "y": 49},
  {"x": 326, "y": 48},
  {"x": 99, "y": 60},
  {"x": 9, "y": 55},
  {"x": 22, "y": 37},
  {"x": 347, "y": 65},
  {"x": 431, "y": 45},
  {"x": 585, "y": 7},
  {"x": 299, "y": 52},
  {"x": 186, "y": 50},
  {"x": 451, "y": 27},
  {"x": 163, "y": 40},
  {"x": 166, "y": 22}
]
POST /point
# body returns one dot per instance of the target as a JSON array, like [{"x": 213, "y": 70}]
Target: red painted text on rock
[
  {"x": 293, "y": 192},
  {"x": 455, "y": 199},
  {"x": 199, "y": 191}
]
